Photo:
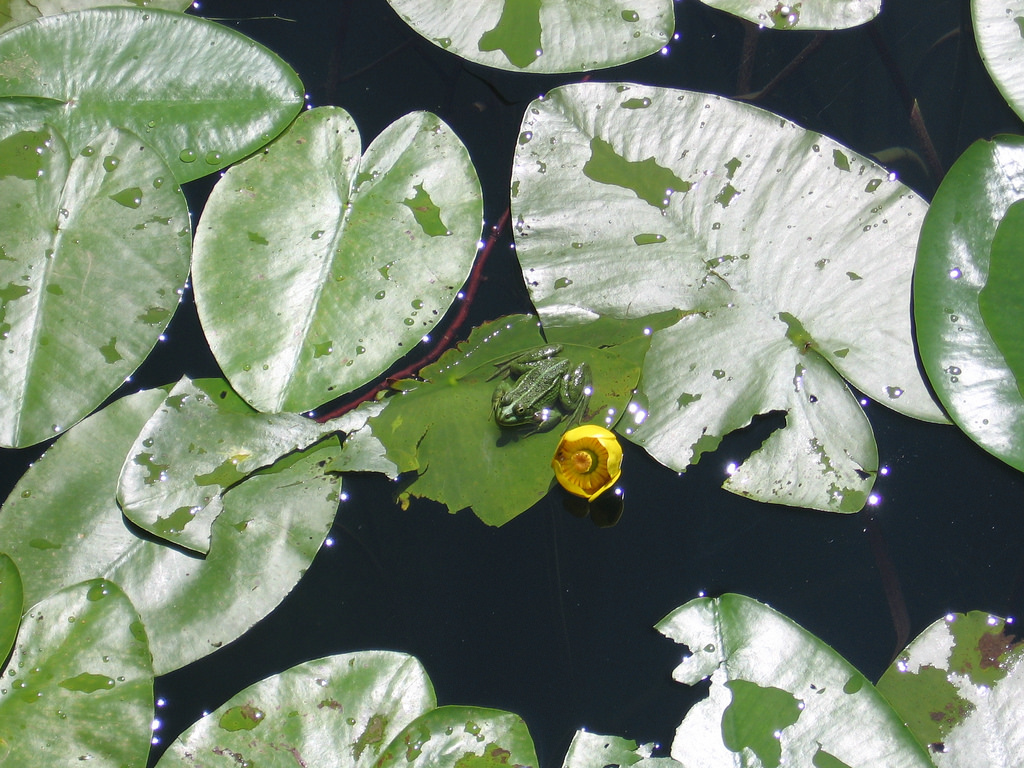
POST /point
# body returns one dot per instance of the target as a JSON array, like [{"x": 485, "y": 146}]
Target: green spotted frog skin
[{"x": 540, "y": 388}]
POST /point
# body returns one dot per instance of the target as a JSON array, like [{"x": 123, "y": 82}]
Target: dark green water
[{"x": 550, "y": 617}]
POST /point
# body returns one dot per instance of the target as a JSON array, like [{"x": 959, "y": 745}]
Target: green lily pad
[
  {"x": 365, "y": 709},
  {"x": 765, "y": 238},
  {"x": 160, "y": 74},
  {"x": 801, "y": 14},
  {"x": 15, "y": 12},
  {"x": 62, "y": 524},
  {"x": 999, "y": 32},
  {"x": 92, "y": 251},
  {"x": 959, "y": 686},
  {"x": 352, "y": 260},
  {"x": 443, "y": 426},
  {"x": 201, "y": 441},
  {"x": 543, "y": 35},
  {"x": 968, "y": 296},
  {"x": 778, "y": 696},
  {"x": 79, "y": 683},
  {"x": 12, "y": 601}
]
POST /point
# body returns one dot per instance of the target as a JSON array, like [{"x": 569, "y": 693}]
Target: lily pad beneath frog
[{"x": 443, "y": 427}]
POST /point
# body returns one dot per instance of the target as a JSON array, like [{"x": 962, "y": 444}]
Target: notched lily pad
[
  {"x": 765, "y": 238},
  {"x": 203, "y": 440},
  {"x": 543, "y": 35},
  {"x": 352, "y": 259},
  {"x": 778, "y": 696},
  {"x": 444, "y": 428}
]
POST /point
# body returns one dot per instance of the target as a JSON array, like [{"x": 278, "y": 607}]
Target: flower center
[{"x": 584, "y": 461}]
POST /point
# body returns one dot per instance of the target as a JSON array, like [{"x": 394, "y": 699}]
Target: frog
[{"x": 540, "y": 388}]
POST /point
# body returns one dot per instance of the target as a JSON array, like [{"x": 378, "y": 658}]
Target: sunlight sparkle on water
[
  {"x": 874, "y": 499},
  {"x": 955, "y": 273},
  {"x": 730, "y": 468}
]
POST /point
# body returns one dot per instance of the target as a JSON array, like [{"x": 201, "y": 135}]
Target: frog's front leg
[
  {"x": 575, "y": 390},
  {"x": 500, "y": 397}
]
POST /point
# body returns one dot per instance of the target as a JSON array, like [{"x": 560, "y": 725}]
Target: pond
[{"x": 551, "y": 616}]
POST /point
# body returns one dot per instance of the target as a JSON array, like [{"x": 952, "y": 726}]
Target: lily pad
[
  {"x": 801, "y": 14},
  {"x": 201, "y": 441},
  {"x": 15, "y": 12},
  {"x": 202, "y": 95},
  {"x": 999, "y": 32},
  {"x": 62, "y": 524},
  {"x": 12, "y": 600},
  {"x": 352, "y": 260},
  {"x": 92, "y": 251},
  {"x": 765, "y": 237},
  {"x": 443, "y": 426},
  {"x": 79, "y": 683},
  {"x": 543, "y": 35},
  {"x": 959, "y": 686},
  {"x": 371, "y": 708},
  {"x": 778, "y": 696},
  {"x": 969, "y": 295}
]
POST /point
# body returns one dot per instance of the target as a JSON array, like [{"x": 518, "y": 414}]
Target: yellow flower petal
[{"x": 588, "y": 461}]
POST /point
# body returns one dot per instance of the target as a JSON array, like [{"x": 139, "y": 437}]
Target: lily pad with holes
[{"x": 788, "y": 256}]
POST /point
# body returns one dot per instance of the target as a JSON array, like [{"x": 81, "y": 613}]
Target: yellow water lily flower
[{"x": 588, "y": 461}]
